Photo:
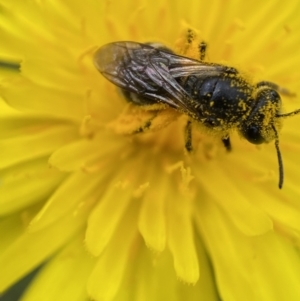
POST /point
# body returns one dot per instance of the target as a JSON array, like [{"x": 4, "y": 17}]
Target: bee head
[{"x": 259, "y": 126}]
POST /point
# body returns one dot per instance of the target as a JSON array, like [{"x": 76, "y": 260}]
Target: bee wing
[
  {"x": 139, "y": 68},
  {"x": 149, "y": 71},
  {"x": 180, "y": 66}
]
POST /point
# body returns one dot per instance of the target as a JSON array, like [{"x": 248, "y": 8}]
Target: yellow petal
[
  {"x": 65, "y": 104},
  {"x": 31, "y": 248},
  {"x": 76, "y": 190},
  {"x": 248, "y": 218},
  {"x": 249, "y": 266},
  {"x": 26, "y": 184},
  {"x": 107, "y": 216},
  {"x": 281, "y": 207},
  {"x": 10, "y": 228},
  {"x": 155, "y": 282},
  {"x": 86, "y": 154},
  {"x": 108, "y": 273},
  {"x": 39, "y": 143},
  {"x": 181, "y": 239},
  {"x": 152, "y": 216},
  {"x": 45, "y": 73},
  {"x": 6, "y": 110},
  {"x": 64, "y": 277}
]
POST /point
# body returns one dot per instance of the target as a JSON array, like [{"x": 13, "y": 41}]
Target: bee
[{"x": 215, "y": 95}]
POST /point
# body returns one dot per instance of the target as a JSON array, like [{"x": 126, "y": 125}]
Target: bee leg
[
  {"x": 190, "y": 36},
  {"x": 275, "y": 87},
  {"x": 144, "y": 127},
  {"x": 188, "y": 136},
  {"x": 227, "y": 143},
  {"x": 202, "y": 50}
]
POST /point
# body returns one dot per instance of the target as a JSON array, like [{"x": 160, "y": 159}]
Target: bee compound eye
[
  {"x": 274, "y": 94},
  {"x": 269, "y": 95},
  {"x": 253, "y": 134}
]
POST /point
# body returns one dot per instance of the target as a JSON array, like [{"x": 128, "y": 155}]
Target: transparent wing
[{"x": 152, "y": 72}]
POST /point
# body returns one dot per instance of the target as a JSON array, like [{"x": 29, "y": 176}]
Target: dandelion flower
[{"x": 133, "y": 217}]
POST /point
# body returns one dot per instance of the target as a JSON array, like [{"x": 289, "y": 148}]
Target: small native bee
[{"x": 215, "y": 95}]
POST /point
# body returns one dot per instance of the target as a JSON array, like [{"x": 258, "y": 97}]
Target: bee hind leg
[
  {"x": 191, "y": 36},
  {"x": 202, "y": 50},
  {"x": 227, "y": 143},
  {"x": 143, "y": 128},
  {"x": 188, "y": 137}
]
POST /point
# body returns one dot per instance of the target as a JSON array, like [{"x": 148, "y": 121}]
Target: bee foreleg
[
  {"x": 227, "y": 143},
  {"x": 188, "y": 136}
]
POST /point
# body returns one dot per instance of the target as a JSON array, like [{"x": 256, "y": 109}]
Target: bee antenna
[
  {"x": 288, "y": 114},
  {"x": 280, "y": 163}
]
